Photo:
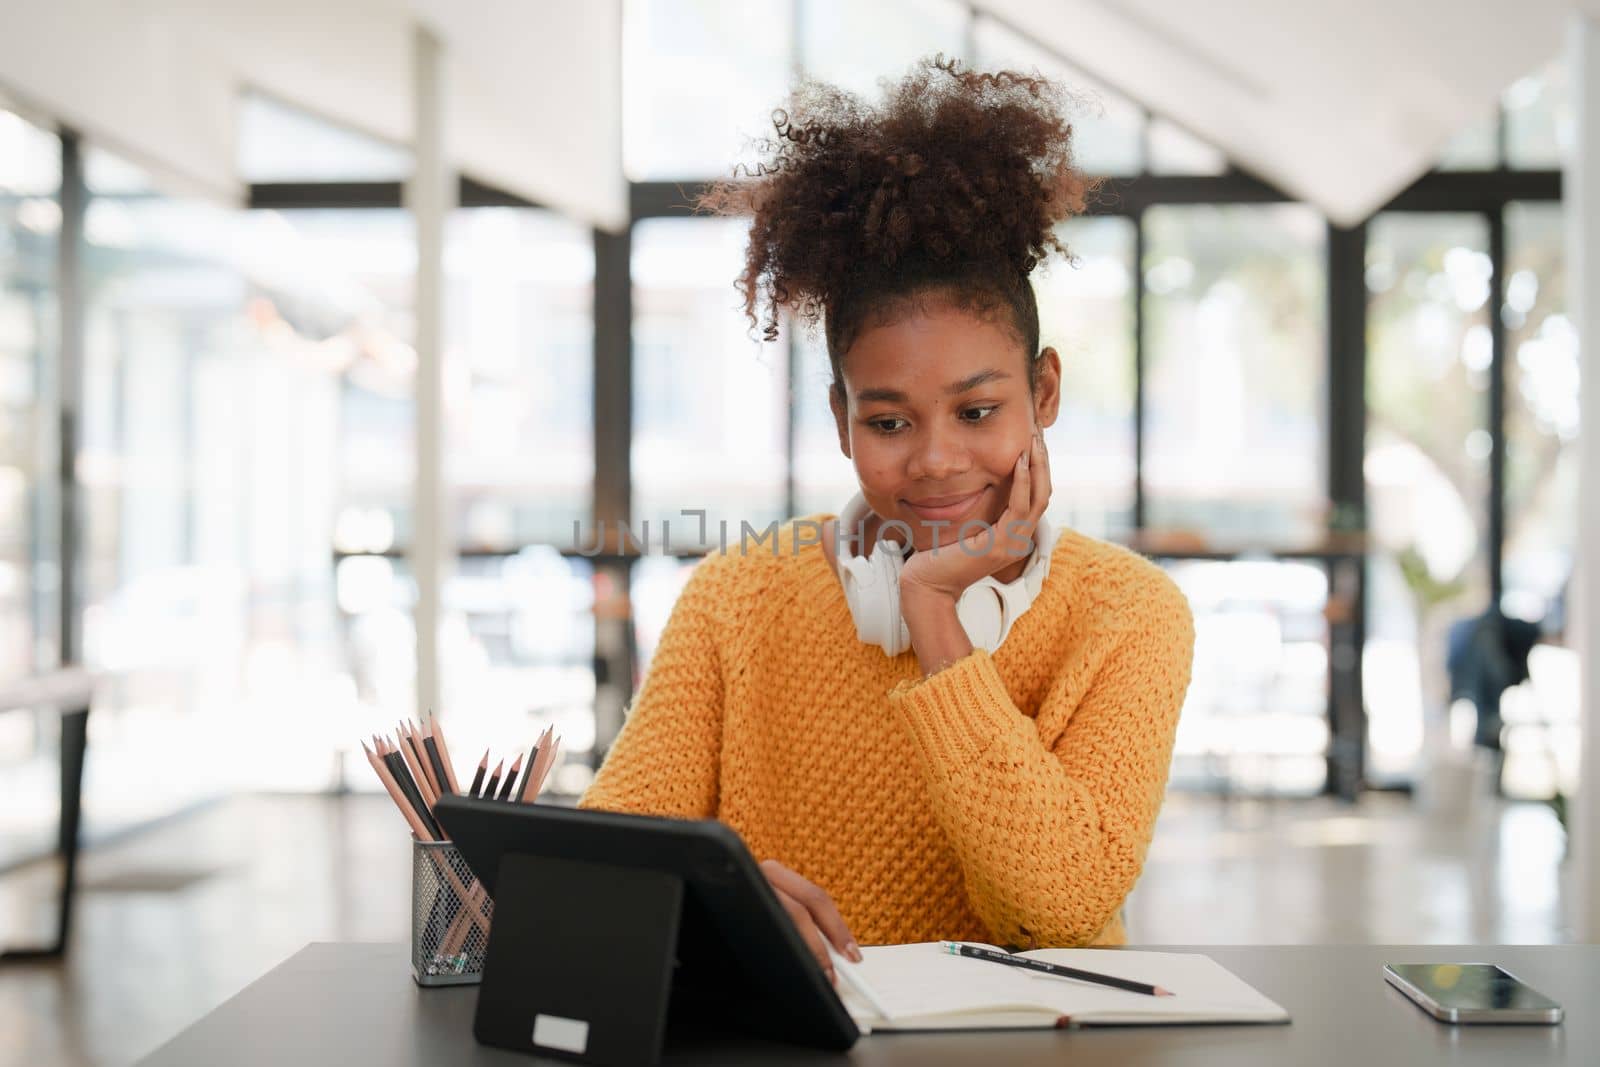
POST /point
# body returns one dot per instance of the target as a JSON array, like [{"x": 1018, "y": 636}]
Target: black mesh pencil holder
[{"x": 450, "y": 915}]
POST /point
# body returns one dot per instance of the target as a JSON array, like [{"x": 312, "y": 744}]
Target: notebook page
[
  {"x": 924, "y": 979},
  {"x": 1202, "y": 986}
]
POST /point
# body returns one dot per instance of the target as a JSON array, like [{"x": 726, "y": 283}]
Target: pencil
[
  {"x": 414, "y": 765},
  {"x": 414, "y": 738},
  {"x": 477, "y": 779},
  {"x": 389, "y": 784},
  {"x": 412, "y": 744},
  {"x": 431, "y": 747},
  {"x": 955, "y": 948},
  {"x": 435, "y": 732},
  {"x": 408, "y": 786},
  {"x": 533, "y": 762},
  {"x": 494, "y": 781},
  {"x": 511, "y": 779},
  {"x": 470, "y": 892},
  {"x": 385, "y": 763},
  {"x": 547, "y": 760}
]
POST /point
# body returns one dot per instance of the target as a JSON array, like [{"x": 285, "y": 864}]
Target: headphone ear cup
[
  {"x": 872, "y": 589},
  {"x": 984, "y": 613}
]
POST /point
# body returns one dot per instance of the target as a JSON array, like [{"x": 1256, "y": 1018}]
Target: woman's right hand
[{"x": 814, "y": 915}]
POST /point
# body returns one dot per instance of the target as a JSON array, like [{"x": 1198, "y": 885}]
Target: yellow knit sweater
[{"x": 1008, "y": 798}]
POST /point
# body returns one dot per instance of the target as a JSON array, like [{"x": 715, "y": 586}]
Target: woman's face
[{"x": 935, "y": 413}]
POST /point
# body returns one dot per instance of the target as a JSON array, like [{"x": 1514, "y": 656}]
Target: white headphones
[{"x": 987, "y": 608}]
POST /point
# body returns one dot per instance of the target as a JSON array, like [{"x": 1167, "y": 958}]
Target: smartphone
[{"x": 1471, "y": 993}]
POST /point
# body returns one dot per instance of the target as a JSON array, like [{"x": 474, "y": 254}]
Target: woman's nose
[{"x": 938, "y": 455}]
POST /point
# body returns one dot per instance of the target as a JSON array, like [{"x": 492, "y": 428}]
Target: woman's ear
[
  {"x": 841, "y": 420},
  {"x": 1047, "y": 388}
]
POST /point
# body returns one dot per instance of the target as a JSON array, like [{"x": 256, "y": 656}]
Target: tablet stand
[{"x": 580, "y": 960}]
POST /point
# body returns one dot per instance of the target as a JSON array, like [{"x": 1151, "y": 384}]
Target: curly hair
[{"x": 951, "y": 188}]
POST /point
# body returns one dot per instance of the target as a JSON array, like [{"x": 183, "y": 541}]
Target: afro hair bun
[{"x": 956, "y": 174}]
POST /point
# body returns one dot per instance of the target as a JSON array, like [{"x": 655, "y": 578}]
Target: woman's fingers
[
  {"x": 819, "y": 906},
  {"x": 1022, "y": 484},
  {"x": 808, "y": 931},
  {"x": 1041, "y": 475},
  {"x": 828, "y": 920},
  {"x": 1016, "y": 524}
]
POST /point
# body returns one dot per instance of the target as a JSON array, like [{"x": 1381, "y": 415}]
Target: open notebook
[{"x": 922, "y": 987}]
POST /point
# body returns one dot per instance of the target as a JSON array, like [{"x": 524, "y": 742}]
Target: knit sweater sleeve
[
  {"x": 1051, "y": 816},
  {"x": 665, "y": 760}
]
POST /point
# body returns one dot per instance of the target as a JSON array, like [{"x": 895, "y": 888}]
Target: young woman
[{"x": 931, "y": 716}]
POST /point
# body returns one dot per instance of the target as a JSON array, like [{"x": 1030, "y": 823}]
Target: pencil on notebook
[{"x": 955, "y": 948}]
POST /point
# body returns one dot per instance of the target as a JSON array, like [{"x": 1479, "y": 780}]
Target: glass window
[
  {"x": 518, "y": 396},
  {"x": 30, "y": 543},
  {"x": 353, "y": 291},
  {"x": 519, "y": 365},
  {"x": 207, "y": 426},
  {"x": 1235, "y": 371},
  {"x": 710, "y": 403},
  {"x": 1106, "y": 126},
  {"x": 518, "y": 644},
  {"x": 1174, "y": 150},
  {"x": 1428, "y": 444},
  {"x": 1539, "y": 118},
  {"x": 655, "y": 583},
  {"x": 1542, "y": 371},
  {"x": 700, "y": 79},
  {"x": 281, "y": 143},
  {"x": 1086, "y": 314},
  {"x": 1474, "y": 147},
  {"x": 855, "y": 46},
  {"x": 824, "y": 478},
  {"x": 1541, "y": 413},
  {"x": 1255, "y": 717},
  {"x": 30, "y": 225}
]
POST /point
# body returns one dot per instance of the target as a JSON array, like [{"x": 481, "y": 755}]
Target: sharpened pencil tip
[{"x": 1164, "y": 992}]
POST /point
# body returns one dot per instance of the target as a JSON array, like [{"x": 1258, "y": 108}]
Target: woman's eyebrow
[
  {"x": 976, "y": 380},
  {"x": 895, "y": 396}
]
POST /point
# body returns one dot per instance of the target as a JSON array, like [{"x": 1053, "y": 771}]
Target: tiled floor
[{"x": 178, "y": 919}]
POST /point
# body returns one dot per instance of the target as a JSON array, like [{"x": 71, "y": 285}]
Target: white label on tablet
[{"x": 568, "y": 1035}]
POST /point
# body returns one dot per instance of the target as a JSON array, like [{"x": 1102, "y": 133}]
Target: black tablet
[{"x": 606, "y": 924}]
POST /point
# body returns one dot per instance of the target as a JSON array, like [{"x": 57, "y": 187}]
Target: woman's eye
[
  {"x": 980, "y": 413},
  {"x": 886, "y": 425}
]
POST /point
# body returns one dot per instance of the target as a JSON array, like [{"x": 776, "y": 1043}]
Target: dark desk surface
[{"x": 348, "y": 1004}]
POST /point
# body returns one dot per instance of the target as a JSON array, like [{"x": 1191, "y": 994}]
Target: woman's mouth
[{"x": 944, "y": 508}]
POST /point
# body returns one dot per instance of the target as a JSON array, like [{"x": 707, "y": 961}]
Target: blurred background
[{"x": 1319, "y": 365}]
